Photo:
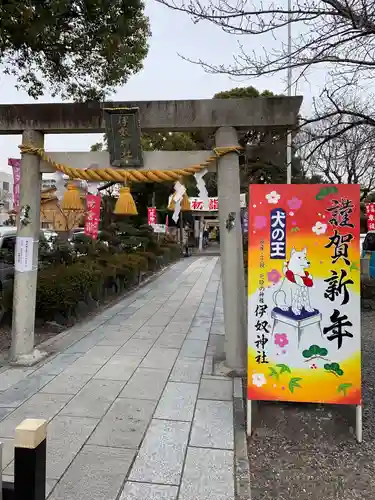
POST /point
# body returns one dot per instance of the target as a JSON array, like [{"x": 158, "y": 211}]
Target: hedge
[{"x": 67, "y": 291}]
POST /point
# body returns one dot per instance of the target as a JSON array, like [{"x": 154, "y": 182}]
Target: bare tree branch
[
  {"x": 338, "y": 35},
  {"x": 344, "y": 158}
]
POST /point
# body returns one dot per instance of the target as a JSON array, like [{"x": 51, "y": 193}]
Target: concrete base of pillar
[
  {"x": 222, "y": 369},
  {"x": 29, "y": 359}
]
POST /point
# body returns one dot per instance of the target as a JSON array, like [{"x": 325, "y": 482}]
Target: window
[
  {"x": 46, "y": 225},
  {"x": 6, "y": 186}
]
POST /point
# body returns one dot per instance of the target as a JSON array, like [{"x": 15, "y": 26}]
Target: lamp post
[{"x": 289, "y": 83}]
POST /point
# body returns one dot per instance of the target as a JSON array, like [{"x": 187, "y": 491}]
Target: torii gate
[{"x": 224, "y": 117}]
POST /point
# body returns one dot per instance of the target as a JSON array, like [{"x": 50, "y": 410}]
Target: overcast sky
[{"x": 165, "y": 74}]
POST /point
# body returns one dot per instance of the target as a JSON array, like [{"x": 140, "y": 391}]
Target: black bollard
[{"x": 30, "y": 460}]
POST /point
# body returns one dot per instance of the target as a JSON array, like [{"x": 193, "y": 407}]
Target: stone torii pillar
[
  {"x": 231, "y": 251},
  {"x": 25, "y": 279}
]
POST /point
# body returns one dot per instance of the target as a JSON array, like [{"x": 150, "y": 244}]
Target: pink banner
[
  {"x": 370, "y": 213},
  {"x": 15, "y": 163},
  {"x": 151, "y": 216},
  {"x": 92, "y": 215}
]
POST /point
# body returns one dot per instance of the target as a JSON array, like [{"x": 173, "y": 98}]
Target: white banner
[
  {"x": 159, "y": 228},
  {"x": 198, "y": 204}
]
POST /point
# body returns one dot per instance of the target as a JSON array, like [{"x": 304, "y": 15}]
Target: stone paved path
[{"x": 134, "y": 411}]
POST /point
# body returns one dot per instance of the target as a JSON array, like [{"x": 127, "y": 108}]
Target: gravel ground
[
  {"x": 41, "y": 334},
  {"x": 300, "y": 452}
]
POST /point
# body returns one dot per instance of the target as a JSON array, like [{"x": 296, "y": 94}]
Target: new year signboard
[{"x": 304, "y": 332}]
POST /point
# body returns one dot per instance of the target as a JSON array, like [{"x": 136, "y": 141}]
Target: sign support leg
[
  {"x": 248, "y": 418},
  {"x": 358, "y": 423}
]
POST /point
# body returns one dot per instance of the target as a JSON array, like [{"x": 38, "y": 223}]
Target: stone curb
[{"x": 241, "y": 458}]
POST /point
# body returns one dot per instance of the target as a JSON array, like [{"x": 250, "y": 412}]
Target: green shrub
[
  {"x": 153, "y": 260},
  {"x": 61, "y": 287},
  {"x": 70, "y": 276}
]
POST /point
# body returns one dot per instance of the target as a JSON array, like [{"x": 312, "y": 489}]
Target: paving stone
[
  {"x": 66, "y": 383},
  {"x": 97, "y": 473},
  {"x": 177, "y": 402},
  {"x": 158, "y": 320},
  {"x": 187, "y": 370},
  {"x": 79, "y": 368},
  {"x": 94, "y": 399},
  {"x": 66, "y": 436},
  {"x": 201, "y": 322},
  {"x": 193, "y": 349},
  {"x": 204, "y": 312},
  {"x": 116, "y": 338},
  {"x": 117, "y": 329},
  {"x": 216, "y": 389},
  {"x": 4, "y": 412},
  {"x": 23, "y": 390},
  {"x": 118, "y": 368},
  {"x": 199, "y": 332},
  {"x": 146, "y": 383},
  {"x": 39, "y": 406},
  {"x": 161, "y": 457},
  {"x": 11, "y": 376},
  {"x": 208, "y": 475},
  {"x": 58, "y": 364},
  {"x": 136, "y": 347},
  {"x": 213, "y": 425},
  {"x": 178, "y": 327},
  {"x": 144, "y": 491},
  {"x": 218, "y": 328},
  {"x": 8, "y": 452},
  {"x": 208, "y": 365},
  {"x": 173, "y": 340},
  {"x": 99, "y": 355},
  {"x": 83, "y": 345},
  {"x": 161, "y": 358},
  {"x": 136, "y": 324},
  {"x": 124, "y": 424},
  {"x": 148, "y": 332}
]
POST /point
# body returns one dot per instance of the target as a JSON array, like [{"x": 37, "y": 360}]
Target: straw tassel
[
  {"x": 125, "y": 204},
  {"x": 71, "y": 199},
  {"x": 185, "y": 204}
]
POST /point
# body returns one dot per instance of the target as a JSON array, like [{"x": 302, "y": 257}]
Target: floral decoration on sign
[
  {"x": 294, "y": 203},
  {"x": 274, "y": 276},
  {"x": 281, "y": 339},
  {"x": 259, "y": 379},
  {"x": 273, "y": 197},
  {"x": 260, "y": 221},
  {"x": 319, "y": 228}
]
